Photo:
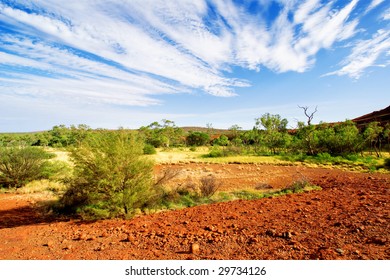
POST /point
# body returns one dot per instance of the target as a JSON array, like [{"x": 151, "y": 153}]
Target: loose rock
[{"x": 194, "y": 248}]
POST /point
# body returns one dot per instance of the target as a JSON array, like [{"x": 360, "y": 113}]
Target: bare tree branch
[{"x": 309, "y": 116}]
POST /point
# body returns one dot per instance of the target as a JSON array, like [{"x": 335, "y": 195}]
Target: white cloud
[
  {"x": 69, "y": 75},
  {"x": 305, "y": 10},
  {"x": 136, "y": 47},
  {"x": 125, "y": 52},
  {"x": 374, "y": 4},
  {"x": 386, "y": 14},
  {"x": 324, "y": 28},
  {"x": 366, "y": 54}
]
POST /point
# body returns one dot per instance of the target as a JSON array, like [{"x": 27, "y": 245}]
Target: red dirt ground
[{"x": 347, "y": 219}]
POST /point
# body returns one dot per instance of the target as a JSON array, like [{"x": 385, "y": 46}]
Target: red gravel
[{"x": 348, "y": 219}]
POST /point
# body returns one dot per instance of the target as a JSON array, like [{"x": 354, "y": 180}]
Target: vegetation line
[{"x": 109, "y": 173}]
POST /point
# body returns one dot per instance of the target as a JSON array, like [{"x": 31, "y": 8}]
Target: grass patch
[
  {"x": 201, "y": 155},
  {"x": 46, "y": 192},
  {"x": 352, "y": 161},
  {"x": 248, "y": 194},
  {"x": 174, "y": 199},
  {"x": 42, "y": 186},
  {"x": 299, "y": 186},
  {"x": 248, "y": 159},
  {"x": 175, "y": 155}
]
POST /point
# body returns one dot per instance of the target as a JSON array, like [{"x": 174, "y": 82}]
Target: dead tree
[{"x": 309, "y": 116}]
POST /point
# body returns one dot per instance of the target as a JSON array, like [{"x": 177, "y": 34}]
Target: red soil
[{"x": 348, "y": 219}]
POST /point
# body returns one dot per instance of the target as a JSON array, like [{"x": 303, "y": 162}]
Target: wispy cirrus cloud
[
  {"x": 386, "y": 14},
  {"x": 128, "y": 52},
  {"x": 42, "y": 70},
  {"x": 374, "y": 4},
  {"x": 365, "y": 54}
]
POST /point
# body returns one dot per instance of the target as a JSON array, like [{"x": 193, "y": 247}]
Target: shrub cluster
[
  {"x": 20, "y": 165},
  {"x": 111, "y": 176},
  {"x": 208, "y": 186},
  {"x": 217, "y": 151}
]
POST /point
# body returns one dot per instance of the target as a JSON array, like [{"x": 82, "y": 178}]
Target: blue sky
[{"x": 112, "y": 63}]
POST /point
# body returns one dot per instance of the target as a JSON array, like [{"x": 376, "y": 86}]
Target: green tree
[
  {"x": 22, "y": 164},
  {"x": 42, "y": 139},
  {"x": 78, "y": 133},
  {"x": 275, "y": 131},
  {"x": 165, "y": 134},
  {"x": 307, "y": 139},
  {"x": 336, "y": 139},
  {"x": 236, "y": 134},
  {"x": 373, "y": 136},
  {"x": 324, "y": 139},
  {"x": 111, "y": 175},
  {"x": 221, "y": 141},
  {"x": 386, "y": 135},
  {"x": 250, "y": 137},
  {"x": 197, "y": 138},
  {"x": 60, "y": 136},
  {"x": 346, "y": 139}
]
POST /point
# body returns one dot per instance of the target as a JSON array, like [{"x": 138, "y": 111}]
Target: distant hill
[{"x": 382, "y": 116}]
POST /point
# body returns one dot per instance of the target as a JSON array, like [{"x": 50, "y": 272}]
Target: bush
[
  {"x": 298, "y": 186},
  {"x": 149, "y": 149},
  {"x": 198, "y": 139},
  {"x": 193, "y": 149},
  {"x": 215, "y": 151},
  {"x": 111, "y": 176},
  {"x": 20, "y": 165},
  {"x": 223, "y": 140},
  {"x": 208, "y": 186},
  {"x": 324, "y": 157},
  {"x": 233, "y": 151}
]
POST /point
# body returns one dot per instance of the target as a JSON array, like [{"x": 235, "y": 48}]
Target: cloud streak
[
  {"x": 129, "y": 52},
  {"x": 365, "y": 54}
]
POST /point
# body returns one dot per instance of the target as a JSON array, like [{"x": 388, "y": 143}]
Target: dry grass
[
  {"x": 247, "y": 159},
  {"x": 42, "y": 190},
  {"x": 42, "y": 186},
  {"x": 175, "y": 155},
  {"x": 179, "y": 155}
]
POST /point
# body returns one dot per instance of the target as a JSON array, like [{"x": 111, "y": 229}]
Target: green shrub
[
  {"x": 20, "y": 165},
  {"x": 248, "y": 195},
  {"x": 299, "y": 186},
  {"x": 193, "y": 149},
  {"x": 223, "y": 140},
  {"x": 233, "y": 151},
  {"x": 56, "y": 170},
  {"x": 324, "y": 157},
  {"x": 149, "y": 149},
  {"x": 111, "y": 176},
  {"x": 197, "y": 138},
  {"x": 215, "y": 151},
  {"x": 296, "y": 187},
  {"x": 352, "y": 157}
]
